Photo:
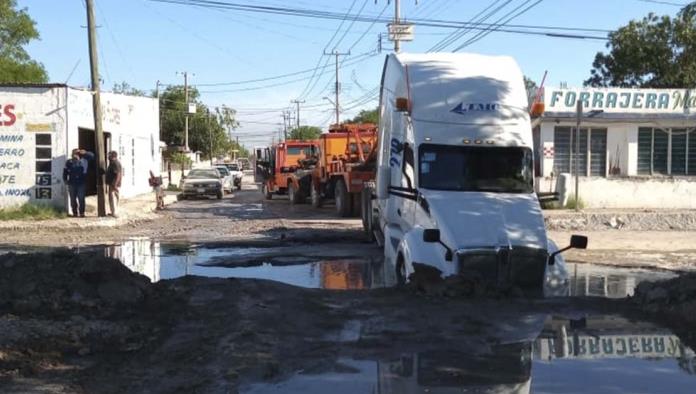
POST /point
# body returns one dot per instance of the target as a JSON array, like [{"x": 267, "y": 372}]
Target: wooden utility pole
[
  {"x": 397, "y": 20},
  {"x": 96, "y": 109},
  {"x": 186, "y": 117}
]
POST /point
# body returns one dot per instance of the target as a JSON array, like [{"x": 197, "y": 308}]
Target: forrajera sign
[{"x": 617, "y": 100}]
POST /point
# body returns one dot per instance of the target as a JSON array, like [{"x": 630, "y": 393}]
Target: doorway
[{"x": 87, "y": 141}]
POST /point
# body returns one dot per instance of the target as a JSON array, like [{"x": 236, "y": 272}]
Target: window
[
  {"x": 475, "y": 168},
  {"x": 564, "y": 151},
  {"x": 666, "y": 151}
]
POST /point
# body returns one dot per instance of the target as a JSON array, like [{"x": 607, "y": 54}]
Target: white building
[
  {"x": 41, "y": 124},
  {"x": 640, "y": 143}
]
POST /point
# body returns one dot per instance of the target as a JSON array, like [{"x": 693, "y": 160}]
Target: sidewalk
[{"x": 131, "y": 210}]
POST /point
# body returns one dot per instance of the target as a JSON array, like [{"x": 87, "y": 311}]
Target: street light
[{"x": 590, "y": 114}]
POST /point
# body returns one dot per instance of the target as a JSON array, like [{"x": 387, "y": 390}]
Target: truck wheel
[
  {"x": 316, "y": 197},
  {"x": 356, "y": 206},
  {"x": 267, "y": 194},
  {"x": 295, "y": 196},
  {"x": 343, "y": 199},
  {"x": 219, "y": 195},
  {"x": 239, "y": 186},
  {"x": 366, "y": 213},
  {"x": 400, "y": 271}
]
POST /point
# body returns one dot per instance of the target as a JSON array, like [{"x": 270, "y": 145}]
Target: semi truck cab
[{"x": 454, "y": 182}]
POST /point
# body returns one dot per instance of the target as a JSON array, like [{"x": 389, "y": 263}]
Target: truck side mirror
[
  {"x": 431, "y": 235},
  {"x": 576, "y": 242}
]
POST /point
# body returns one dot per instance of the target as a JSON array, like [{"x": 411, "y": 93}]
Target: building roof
[{"x": 33, "y": 85}]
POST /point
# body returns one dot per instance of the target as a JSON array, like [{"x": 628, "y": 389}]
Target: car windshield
[
  {"x": 223, "y": 171},
  {"x": 203, "y": 174},
  {"x": 233, "y": 167},
  {"x": 476, "y": 168}
]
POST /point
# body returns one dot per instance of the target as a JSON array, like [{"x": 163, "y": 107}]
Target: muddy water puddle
[
  {"x": 160, "y": 261},
  {"x": 597, "y": 354}
]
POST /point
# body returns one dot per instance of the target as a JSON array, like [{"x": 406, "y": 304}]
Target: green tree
[
  {"x": 125, "y": 88},
  {"x": 531, "y": 88},
  {"x": 304, "y": 133},
  {"x": 655, "y": 52},
  {"x": 17, "y": 29},
  {"x": 205, "y": 125},
  {"x": 366, "y": 116}
]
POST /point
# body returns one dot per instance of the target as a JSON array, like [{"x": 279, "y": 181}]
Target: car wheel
[{"x": 343, "y": 199}]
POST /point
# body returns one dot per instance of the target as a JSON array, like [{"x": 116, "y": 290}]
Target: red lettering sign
[{"x": 10, "y": 117}]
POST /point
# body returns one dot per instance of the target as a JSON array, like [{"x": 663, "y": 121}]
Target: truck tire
[
  {"x": 294, "y": 195},
  {"x": 366, "y": 213},
  {"x": 356, "y": 206},
  {"x": 400, "y": 271},
  {"x": 267, "y": 194},
  {"x": 315, "y": 196},
  {"x": 219, "y": 195},
  {"x": 343, "y": 199}
]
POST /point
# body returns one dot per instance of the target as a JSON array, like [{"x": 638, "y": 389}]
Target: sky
[{"x": 145, "y": 41}]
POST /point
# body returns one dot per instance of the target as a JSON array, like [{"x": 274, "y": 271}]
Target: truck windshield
[
  {"x": 298, "y": 150},
  {"x": 476, "y": 168}
]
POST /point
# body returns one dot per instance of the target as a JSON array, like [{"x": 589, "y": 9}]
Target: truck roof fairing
[{"x": 456, "y": 95}]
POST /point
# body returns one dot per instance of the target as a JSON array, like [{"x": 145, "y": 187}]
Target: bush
[
  {"x": 31, "y": 211},
  {"x": 572, "y": 203}
]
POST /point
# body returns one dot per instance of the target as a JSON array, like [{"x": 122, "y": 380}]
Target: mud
[{"x": 66, "y": 330}]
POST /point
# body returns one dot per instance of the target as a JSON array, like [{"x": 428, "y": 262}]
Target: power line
[
  {"x": 455, "y": 35},
  {"x": 483, "y": 34},
  {"x": 664, "y": 2}
]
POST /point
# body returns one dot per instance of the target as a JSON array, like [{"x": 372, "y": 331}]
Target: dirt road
[{"x": 84, "y": 323}]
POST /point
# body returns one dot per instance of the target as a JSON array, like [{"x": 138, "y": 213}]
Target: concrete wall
[
  {"x": 58, "y": 111},
  {"x": 26, "y": 113},
  {"x": 133, "y": 124},
  {"x": 628, "y": 192}
]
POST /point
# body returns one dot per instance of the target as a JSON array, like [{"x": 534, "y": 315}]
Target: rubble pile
[{"x": 674, "y": 299}]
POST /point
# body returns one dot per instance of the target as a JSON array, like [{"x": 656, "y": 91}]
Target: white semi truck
[{"x": 454, "y": 174}]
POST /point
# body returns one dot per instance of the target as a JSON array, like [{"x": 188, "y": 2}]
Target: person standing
[
  {"x": 156, "y": 183},
  {"x": 75, "y": 175},
  {"x": 114, "y": 173}
]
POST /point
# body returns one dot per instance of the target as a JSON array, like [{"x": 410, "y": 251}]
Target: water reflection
[
  {"x": 160, "y": 261},
  {"x": 610, "y": 282},
  {"x": 595, "y": 354}
]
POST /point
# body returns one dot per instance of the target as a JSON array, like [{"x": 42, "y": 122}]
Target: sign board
[
  {"x": 192, "y": 108},
  {"x": 618, "y": 100},
  {"x": 400, "y": 31}
]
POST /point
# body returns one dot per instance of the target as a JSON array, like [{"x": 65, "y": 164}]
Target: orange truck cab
[
  {"x": 343, "y": 166},
  {"x": 276, "y": 164}
]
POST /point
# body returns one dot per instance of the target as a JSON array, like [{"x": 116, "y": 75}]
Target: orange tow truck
[
  {"x": 342, "y": 166},
  {"x": 276, "y": 164}
]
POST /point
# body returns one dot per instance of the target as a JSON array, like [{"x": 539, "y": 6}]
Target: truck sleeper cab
[{"x": 454, "y": 183}]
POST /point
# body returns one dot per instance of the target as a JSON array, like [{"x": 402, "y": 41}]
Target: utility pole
[
  {"x": 285, "y": 124},
  {"x": 96, "y": 108},
  {"x": 338, "y": 87},
  {"x": 577, "y": 156},
  {"x": 397, "y": 20},
  {"x": 159, "y": 106},
  {"x": 298, "y": 102},
  {"x": 210, "y": 135},
  {"x": 186, "y": 117}
]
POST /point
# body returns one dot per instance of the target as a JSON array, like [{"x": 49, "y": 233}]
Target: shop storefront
[
  {"x": 41, "y": 124},
  {"x": 637, "y": 147}
]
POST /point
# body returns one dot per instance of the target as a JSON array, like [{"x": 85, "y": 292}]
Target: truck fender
[{"x": 415, "y": 250}]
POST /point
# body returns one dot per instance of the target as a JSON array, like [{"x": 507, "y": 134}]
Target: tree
[
  {"x": 125, "y": 88},
  {"x": 205, "y": 125},
  {"x": 17, "y": 29},
  {"x": 655, "y": 52},
  {"x": 366, "y": 116},
  {"x": 305, "y": 133}
]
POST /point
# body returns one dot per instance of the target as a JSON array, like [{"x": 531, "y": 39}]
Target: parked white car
[
  {"x": 226, "y": 177},
  {"x": 237, "y": 174},
  {"x": 201, "y": 182}
]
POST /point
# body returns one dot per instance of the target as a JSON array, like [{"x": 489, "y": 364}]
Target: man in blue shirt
[{"x": 75, "y": 175}]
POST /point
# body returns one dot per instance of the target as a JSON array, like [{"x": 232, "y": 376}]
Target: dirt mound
[
  {"x": 63, "y": 282},
  {"x": 674, "y": 299}
]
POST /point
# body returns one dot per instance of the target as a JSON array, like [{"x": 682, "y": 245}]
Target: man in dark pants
[
  {"x": 114, "y": 173},
  {"x": 74, "y": 175}
]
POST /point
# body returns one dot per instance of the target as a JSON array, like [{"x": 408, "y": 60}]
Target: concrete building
[
  {"x": 41, "y": 124},
  {"x": 637, "y": 146}
]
